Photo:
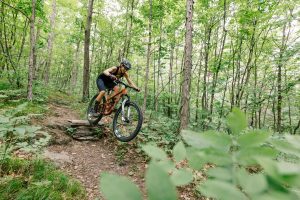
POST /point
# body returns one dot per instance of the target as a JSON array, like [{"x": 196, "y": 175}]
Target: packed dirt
[{"x": 86, "y": 159}]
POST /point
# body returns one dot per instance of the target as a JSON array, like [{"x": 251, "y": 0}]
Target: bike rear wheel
[
  {"x": 126, "y": 126},
  {"x": 94, "y": 120}
]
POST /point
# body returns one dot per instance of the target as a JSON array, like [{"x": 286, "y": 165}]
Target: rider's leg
[
  {"x": 98, "y": 100},
  {"x": 116, "y": 90},
  {"x": 101, "y": 87}
]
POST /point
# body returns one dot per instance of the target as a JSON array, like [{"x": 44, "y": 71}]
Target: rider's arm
[
  {"x": 130, "y": 81},
  {"x": 109, "y": 70}
]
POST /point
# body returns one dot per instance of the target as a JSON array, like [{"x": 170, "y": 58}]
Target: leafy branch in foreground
[{"x": 245, "y": 164}]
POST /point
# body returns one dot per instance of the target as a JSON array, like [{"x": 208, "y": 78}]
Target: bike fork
[{"x": 124, "y": 117}]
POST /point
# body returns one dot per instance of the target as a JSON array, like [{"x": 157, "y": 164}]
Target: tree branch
[{"x": 14, "y": 8}]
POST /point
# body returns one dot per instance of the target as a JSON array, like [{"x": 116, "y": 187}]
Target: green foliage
[
  {"x": 36, "y": 179},
  {"x": 237, "y": 121},
  {"x": 179, "y": 152},
  {"x": 160, "y": 130},
  {"x": 155, "y": 152},
  {"x": 111, "y": 185},
  {"x": 16, "y": 134},
  {"x": 159, "y": 185},
  {"x": 243, "y": 165},
  {"x": 247, "y": 148}
]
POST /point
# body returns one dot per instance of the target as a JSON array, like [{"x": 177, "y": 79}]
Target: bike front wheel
[{"x": 127, "y": 122}]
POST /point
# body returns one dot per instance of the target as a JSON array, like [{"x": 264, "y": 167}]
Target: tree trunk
[
  {"x": 148, "y": 58},
  {"x": 32, "y": 51},
  {"x": 86, "y": 66},
  {"x": 215, "y": 78},
  {"x": 185, "y": 98},
  {"x": 159, "y": 59},
  {"x": 50, "y": 43},
  {"x": 170, "y": 81},
  {"x": 36, "y": 67},
  {"x": 74, "y": 73},
  {"x": 285, "y": 37},
  {"x": 128, "y": 33},
  {"x": 207, "y": 48}
]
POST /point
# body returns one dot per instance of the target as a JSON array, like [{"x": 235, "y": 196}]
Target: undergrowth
[
  {"x": 30, "y": 179},
  {"x": 36, "y": 179},
  {"x": 159, "y": 130}
]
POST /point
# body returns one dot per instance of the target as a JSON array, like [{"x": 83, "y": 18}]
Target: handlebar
[{"x": 126, "y": 86}]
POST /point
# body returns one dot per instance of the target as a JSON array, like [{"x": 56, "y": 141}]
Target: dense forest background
[
  {"x": 220, "y": 96},
  {"x": 245, "y": 54}
]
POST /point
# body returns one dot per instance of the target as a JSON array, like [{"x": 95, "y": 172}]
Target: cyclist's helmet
[{"x": 126, "y": 64}]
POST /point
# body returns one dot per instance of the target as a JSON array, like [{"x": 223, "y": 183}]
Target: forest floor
[{"x": 85, "y": 160}]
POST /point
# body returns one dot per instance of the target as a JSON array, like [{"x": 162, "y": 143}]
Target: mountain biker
[{"x": 106, "y": 80}]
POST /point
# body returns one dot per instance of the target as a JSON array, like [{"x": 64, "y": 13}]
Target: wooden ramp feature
[
  {"x": 76, "y": 122},
  {"x": 82, "y": 130}
]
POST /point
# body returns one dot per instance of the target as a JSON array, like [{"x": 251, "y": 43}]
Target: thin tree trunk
[
  {"x": 148, "y": 58},
  {"x": 154, "y": 84},
  {"x": 207, "y": 48},
  {"x": 50, "y": 43},
  {"x": 185, "y": 98},
  {"x": 223, "y": 101},
  {"x": 37, "y": 36},
  {"x": 170, "y": 81},
  {"x": 159, "y": 59},
  {"x": 198, "y": 86},
  {"x": 215, "y": 78},
  {"x": 74, "y": 73},
  {"x": 32, "y": 51},
  {"x": 86, "y": 66},
  {"x": 279, "y": 95},
  {"x": 127, "y": 47}
]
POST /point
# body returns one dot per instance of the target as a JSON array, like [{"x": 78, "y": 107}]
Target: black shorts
[{"x": 103, "y": 84}]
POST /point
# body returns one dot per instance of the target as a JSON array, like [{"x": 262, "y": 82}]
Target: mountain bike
[{"x": 128, "y": 118}]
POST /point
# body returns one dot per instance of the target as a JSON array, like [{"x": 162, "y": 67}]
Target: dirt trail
[{"x": 85, "y": 160}]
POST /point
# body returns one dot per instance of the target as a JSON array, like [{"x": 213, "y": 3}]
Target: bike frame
[{"x": 108, "y": 108}]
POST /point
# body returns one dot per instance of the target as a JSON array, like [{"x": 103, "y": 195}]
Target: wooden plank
[
  {"x": 79, "y": 122},
  {"x": 76, "y": 122}
]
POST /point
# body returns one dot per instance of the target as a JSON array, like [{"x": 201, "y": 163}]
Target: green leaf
[
  {"x": 166, "y": 165},
  {"x": 275, "y": 195},
  {"x": 248, "y": 156},
  {"x": 159, "y": 185},
  {"x": 20, "y": 131},
  {"x": 277, "y": 179},
  {"x": 237, "y": 121},
  {"x": 195, "y": 158},
  {"x": 285, "y": 147},
  {"x": 207, "y": 139},
  {"x": 194, "y": 139},
  {"x": 221, "y": 190},
  {"x": 116, "y": 187},
  {"x": 253, "y": 138},
  {"x": 285, "y": 168},
  {"x": 32, "y": 129},
  {"x": 252, "y": 184},
  {"x": 181, "y": 177},
  {"x": 217, "y": 157},
  {"x": 155, "y": 152},
  {"x": 220, "y": 173},
  {"x": 179, "y": 152}
]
